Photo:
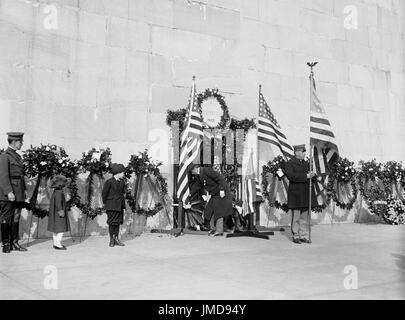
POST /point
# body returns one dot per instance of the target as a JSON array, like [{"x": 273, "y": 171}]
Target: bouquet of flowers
[
  {"x": 96, "y": 161},
  {"x": 392, "y": 172},
  {"x": 395, "y": 213},
  {"x": 370, "y": 170},
  {"x": 343, "y": 170},
  {"x": 42, "y": 160}
]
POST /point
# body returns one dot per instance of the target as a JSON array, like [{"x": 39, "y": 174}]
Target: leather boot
[
  {"x": 118, "y": 242},
  {"x": 14, "y": 237},
  {"x": 5, "y": 237},
  {"x": 237, "y": 222},
  {"x": 112, "y": 241}
]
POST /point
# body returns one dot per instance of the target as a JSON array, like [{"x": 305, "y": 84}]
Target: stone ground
[{"x": 155, "y": 266}]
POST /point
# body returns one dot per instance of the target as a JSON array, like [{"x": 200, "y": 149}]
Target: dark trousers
[
  {"x": 10, "y": 213},
  {"x": 114, "y": 230}
]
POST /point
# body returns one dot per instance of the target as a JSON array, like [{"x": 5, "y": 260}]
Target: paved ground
[{"x": 198, "y": 267}]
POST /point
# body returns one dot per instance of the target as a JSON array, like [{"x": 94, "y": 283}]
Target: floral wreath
[
  {"x": 45, "y": 162},
  {"x": 381, "y": 201},
  {"x": 143, "y": 165},
  {"x": 342, "y": 173},
  {"x": 96, "y": 162},
  {"x": 273, "y": 167},
  {"x": 393, "y": 173},
  {"x": 214, "y": 93}
]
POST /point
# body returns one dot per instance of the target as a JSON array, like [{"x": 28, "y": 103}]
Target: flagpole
[
  {"x": 258, "y": 161},
  {"x": 311, "y": 65}
]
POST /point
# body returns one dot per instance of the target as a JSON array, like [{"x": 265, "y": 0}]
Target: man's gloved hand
[
  {"x": 222, "y": 194},
  {"x": 11, "y": 197}
]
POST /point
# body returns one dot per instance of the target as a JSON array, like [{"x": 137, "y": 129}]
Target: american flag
[
  {"x": 272, "y": 141},
  {"x": 253, "y": 192},
  {"x": 323, "y": 141},
  {"x": 190, "y": 145}
]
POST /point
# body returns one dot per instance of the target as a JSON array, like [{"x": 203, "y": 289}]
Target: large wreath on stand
[
  {"x": 274, "y": 169},
  {"x": 142, "y": 166},
  {"x": 371, "y": 186},
  {"x": 44, "y": 162},
  {"x": 342, "y": 183},
  {"x": 96, "y": 163},
  {"x": 392, "y": 176}
]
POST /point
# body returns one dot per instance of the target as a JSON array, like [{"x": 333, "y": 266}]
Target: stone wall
[{"x": 106, "y": 75}]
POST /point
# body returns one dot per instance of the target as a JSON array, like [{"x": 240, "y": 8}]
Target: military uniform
[
  {"x": 298, "y": 196},
  {"x": 11, "y": 181}
]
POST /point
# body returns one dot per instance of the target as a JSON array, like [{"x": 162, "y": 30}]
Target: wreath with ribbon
[
  {"x": 97, "y": 163},
  {"x": 274, "y": 168},
  {"x": 142, "y": 166},
  {"x": 341, "y": 176},
  {"x": 44, "y": 162},
  {"x": 380, "y": 197}
]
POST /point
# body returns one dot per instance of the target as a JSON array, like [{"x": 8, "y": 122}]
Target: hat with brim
[
  {"x": 15, "y": 136},
  {"x": 193, "y": 166},
  {"x": 300, "y": 147},
  {"x": 117, "y": 168},
  {"x": 60, "y": 181}
]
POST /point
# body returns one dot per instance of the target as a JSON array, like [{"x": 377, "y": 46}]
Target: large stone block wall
[{"x": 107, "y": 74}]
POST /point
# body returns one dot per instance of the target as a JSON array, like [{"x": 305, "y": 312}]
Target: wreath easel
[
  {"x": 97, "y": 163},
  {"x": 142, "y": 166}
]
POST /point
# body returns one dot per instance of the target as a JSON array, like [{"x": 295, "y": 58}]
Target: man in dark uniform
[
  {"x": 12, "y": 192},
  {"x": 219, "y": 198},
  {"x": 298, "y": 173}
]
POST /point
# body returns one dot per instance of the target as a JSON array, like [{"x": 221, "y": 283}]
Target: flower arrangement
[
  {"x": 395, "y": 213},
  {"x": 142, "y": 166},
  {"x": 370, "y": 170},
  {"x": 273, "y": 169},
  {"x": 342, "y": 174},
  {"x": 392, "y": 172},
  {"x": 44, "y": 162},
  {"x": 96, "y": 162},
  {"x": 41, "y": 160}
]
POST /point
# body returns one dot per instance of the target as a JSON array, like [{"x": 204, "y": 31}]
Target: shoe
[
  {"x": 59, "y": 248},
  {"x": 118, "y": 242},
  {"x": 6, "y": 248},
  {"x": 297, "y": 241},
  {"x": 305, "y": 241},
  {"x": 217, "y": 234},
  {"x": 211, "y": 232},
  {"x": 112, "y": 242},
  {"x": 16, "y": 246}
]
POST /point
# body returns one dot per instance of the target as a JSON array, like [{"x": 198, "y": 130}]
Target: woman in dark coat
[
  {"x": 298, "y": 174},
  {"x": 58, "y": 221},
  {"x": 219, "y": 199}
]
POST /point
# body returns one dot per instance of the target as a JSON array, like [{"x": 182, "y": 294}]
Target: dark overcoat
[
  {"x": 113, "y": 194},
  {"x": 57, "y": 223},
  {"x": 213, "y": 182},
  {"x": 12, "y": 175},
  {"x": 298, "y": 190}
]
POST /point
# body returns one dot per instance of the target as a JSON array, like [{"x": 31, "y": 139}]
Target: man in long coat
[
  {"x": 219, "y": 198},
  {"x": 12, "y": 192},
  {"x": 298, "y": 173}
]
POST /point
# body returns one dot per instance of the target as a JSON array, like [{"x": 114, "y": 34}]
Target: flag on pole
[
  {"x": 272, "y": 141},
  {"x": 323, "y": 141},
  {"x": 253, "y": 192},
  {"x": 190, "y": 145}
]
